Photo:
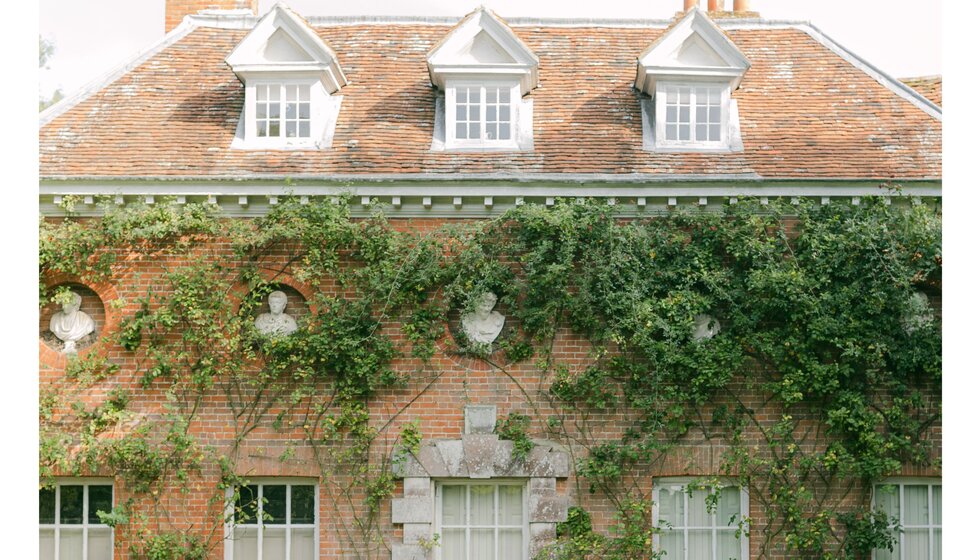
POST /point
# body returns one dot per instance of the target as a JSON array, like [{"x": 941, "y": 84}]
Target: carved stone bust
[
  {"x": 276, "y": 323},
  {"x": 705, "y": 327},
  {"x": 71, "y": 324},
  {"x": 483, "y": 325}
]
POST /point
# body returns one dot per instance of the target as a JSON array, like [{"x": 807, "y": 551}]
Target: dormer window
[
  {"x": 692, "y": 114},
  {"x": 481, "y": 115},
  {"x": 485, "y": 71},
  {"x": 290, "y": 76},
  {"x": 690, "y": 74}
]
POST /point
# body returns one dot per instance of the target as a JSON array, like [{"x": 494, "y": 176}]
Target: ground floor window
[
  {"x": 917, "y": 508},
  {"x": 481, "y": 521},
  {"x": 69, "y": 521},
  {"x": 700, "y": 522},
  {"x": 273, "y": 520}
]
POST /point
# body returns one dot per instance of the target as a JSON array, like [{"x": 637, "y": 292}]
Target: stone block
[
  {"x": 412, "y": 532},
  {"x": 411, "y": 510},
  {"x": 547, "y": 509},
  {"x": 431, "y": 460},
  {"x": 479, "y": 454},
  {"x": 418, "y": 487},
  {"x": 408, "y": 467},
  {"x": 542, "y": 486},
  {"x": 451, "y": 455},
  {"x": 479, "y": 418},
  {"x": 400, "y": 551},
  {"x": 548, "y": 461},
  {"x": 541, "y": 535}
]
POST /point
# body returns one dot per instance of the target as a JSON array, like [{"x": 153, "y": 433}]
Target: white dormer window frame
[
  {"x": 491, "y": 117},
  {"x": 278, "y": 106},
  {"x": 692, "y": 114}
]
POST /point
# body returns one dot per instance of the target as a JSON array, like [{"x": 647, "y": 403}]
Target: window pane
[
  {"x": 511, "y": 544},
  {"x": 301, "y": 545},
  {"x": 505, "y": 95},
  {"x": 672, "y": 542},
  {"x": 684, "y": 96},
  {"x": 100, "y": 544},
  {"x": 460, "y": 112},
  {"x": 304, "y": 93},
  {"x": 481, "y": 505},
  {"x": 937, "y": 505},
  {"x": 491, "y": 114},
  {"x": 246, "y": 543},
  {"x": 273, "y": 543},
  {"x": 684, "y": 132},
  {"x": 504, "y": 131},
  {"x": 701, "y": 132},
  {"x": 303, "y": 504},
  {"x": 917, "y": 544},
  {"x": 714, "y": 114},
  {"x": 701, "y": 114},
  {"x": 261, "y": 128},
  {"x": 261, "y": 110},
  {"x": 461, "y": 95},
  {"x": 474, "y": 113},
  {"x": 274, "y": 504},
  {"x": 937, "y": 544},
  {"x": 698, "y": 515},
  {"x": 671, "y": 113},
  {"x": 47, "y": 544},
  {"x": 685, "y": 114},
  {"x": 453, "y": 505},
  {"x": 886, "y": 499},
  {"x": 70, "y": 544},
  {"x": 511, "y": 505},
  {"x": 304, "y": 129},
  {"x": 729, "y": 506},
  {"x": 304, "y": 110},
  {"x": 474, "y": 131},
  {"x": 699, "y": 545},
  {"x": 491, "y": 131},
  {"x": 491, "y": 95},
  {"x": 702, "y": 95},
  {"x": 671, "y": 507},
  {"x": 885, "y": 554},
  {"x": 714, "y": 132},
  {"x": 290, "y": 129},
  {"x": 291, "y": 110},
  {"x": 274, "y": 93},
  {"x": 274, "y": 128},
  {"x": 71, "y": 505},
  {"x": 714, "y": 96},
  {"x": 292, "y": 93},
  {"x": 99, "y": 499},
  {"x": 460, "y": 130},
  {"x": 46, "y": 505},
  {"x": 916, "y": 505},
  {"x": 505, "y": 113},
  {"x": 672, "y": 132},
  {"x": 453, "y": 544},
  {"x": 261, "y": 93},
  {"x": 273, "y": 110},
  {"x": 482, "y": 545},
  {"x": 729, "y": 547},
  {"x": 246, "y": 508}
]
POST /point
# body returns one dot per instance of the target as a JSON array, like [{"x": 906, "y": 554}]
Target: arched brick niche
[
  {"x": 92, "y": 305},
  {"x": 296, "y": 301},
  {"x": 479, "y": 455}
]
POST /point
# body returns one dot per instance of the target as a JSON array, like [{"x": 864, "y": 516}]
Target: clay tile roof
[
  {"x": 929, "y": 86},
  {"x": 805, "y": 112}
]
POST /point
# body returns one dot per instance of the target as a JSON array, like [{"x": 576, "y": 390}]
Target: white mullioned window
[
  {"x": 700, "y": 522},
  {"x": 69, "y": 521},
  {"x": 275, "y": 519},
  {"x": 481, "y": 115},
  {"x": 692, "y": 115},
  {"x": 282, "y": 110},
  {"x": 481, "y": 521},
  {"x": 917, "y": 505}
]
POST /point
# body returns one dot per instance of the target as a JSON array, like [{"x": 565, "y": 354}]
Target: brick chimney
[{"x": 177, "y": 9}]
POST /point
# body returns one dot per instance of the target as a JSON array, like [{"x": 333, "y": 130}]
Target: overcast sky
[{"x": 91, "y": 37}]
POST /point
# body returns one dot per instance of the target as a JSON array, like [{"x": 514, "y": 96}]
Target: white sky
[{"x": 901, "y": 37}]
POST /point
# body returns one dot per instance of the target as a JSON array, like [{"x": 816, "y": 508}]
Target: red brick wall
[{"x": 435, "y": 394}]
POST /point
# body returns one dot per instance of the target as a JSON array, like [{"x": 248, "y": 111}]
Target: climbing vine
[{"x": 822, "y": 378}]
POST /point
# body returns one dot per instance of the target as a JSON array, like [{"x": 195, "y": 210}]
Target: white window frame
[
  {"x": 660, "y": 131},
  {"x": 85, "y": 526},
  {"x": 254, "y": 141},
  {"x": 901, "y": 483},
  {"x": 525, "y": 531},
  {"x": 743, "y": 506},
  {"x": 260, "y": 523},
  {"x": 481, "y": 144}
]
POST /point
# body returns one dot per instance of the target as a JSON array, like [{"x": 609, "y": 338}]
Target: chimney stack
[
  {"x": 688, "y": 4},
  {"x": 177, "y": 9},
  {"x": 715, "y": 5},
  {"x": 741, "y": 6}
]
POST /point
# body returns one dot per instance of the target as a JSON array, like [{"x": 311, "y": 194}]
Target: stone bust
[
  {"x": 483, "y": 325},
  {"x": 276, "y": 323},
  {"x": 71, "y": 324},
  {"x": 705, "y": 327}
]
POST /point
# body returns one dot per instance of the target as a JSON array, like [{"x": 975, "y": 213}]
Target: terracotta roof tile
[
  {"x": 805, "y": 113},
  {"x": 929, "y": 86}
]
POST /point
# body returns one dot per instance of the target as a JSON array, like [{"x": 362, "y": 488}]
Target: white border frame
[
  {"x": 684, "y": 481},
  {"x": 229, "y": 537},
  {"x": 522, "y": 483},
  {"x": 85, "y": 526},
  {"x": 452, "y": 143},
  {"x": 318, "y": 101},
  {"x": 660, "y": 119},
  {"x": 901, "y": 482}
]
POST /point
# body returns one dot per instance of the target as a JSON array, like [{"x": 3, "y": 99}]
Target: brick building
[{"x": 434, "y": 122}]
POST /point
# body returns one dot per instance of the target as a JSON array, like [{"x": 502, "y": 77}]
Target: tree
[{"x": 45, "y": 50}]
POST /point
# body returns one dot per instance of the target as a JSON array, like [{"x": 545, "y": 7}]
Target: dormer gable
[
  {"x": 694, "y": 48},
  {"x": 483, "y": 44},
  {"x": 283, "y": 43}
]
